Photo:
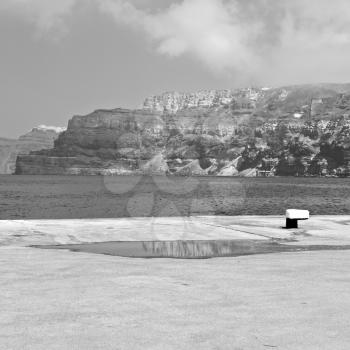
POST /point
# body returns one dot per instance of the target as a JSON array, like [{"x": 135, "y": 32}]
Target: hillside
[
  {"x": 293, "y": 130},
  {"x": 38, "y": 138}
]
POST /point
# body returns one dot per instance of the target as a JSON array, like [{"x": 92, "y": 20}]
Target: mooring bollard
[{"x": 293, "y": 215}]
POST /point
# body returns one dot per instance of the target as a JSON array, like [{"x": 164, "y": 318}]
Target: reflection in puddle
[{"x": 189, "y": 249}]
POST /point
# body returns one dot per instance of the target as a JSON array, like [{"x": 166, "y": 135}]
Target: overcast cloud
[
  {"x": 224, "y": 35},
  {"x": 171, "y": 44}
]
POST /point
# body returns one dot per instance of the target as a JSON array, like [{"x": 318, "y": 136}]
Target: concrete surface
[
  {"x": 63, "y": 300},
  {"x": 330, "y": 230}
]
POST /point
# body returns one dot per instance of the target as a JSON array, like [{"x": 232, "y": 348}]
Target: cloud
[
  {"x": 204, "y": 29},
  {"x": 263, "y": 39}
]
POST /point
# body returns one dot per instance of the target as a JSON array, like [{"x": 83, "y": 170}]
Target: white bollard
[{"x": 293, "y": 215}]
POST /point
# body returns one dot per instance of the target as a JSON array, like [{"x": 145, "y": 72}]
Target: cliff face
[
  {"x": 7, "y": 155},
  {"x": 39, "y": 138},
  {"x": 291, "y": 130}
]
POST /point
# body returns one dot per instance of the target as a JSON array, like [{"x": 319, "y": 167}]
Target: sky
[{"x": 68, "y": 57}]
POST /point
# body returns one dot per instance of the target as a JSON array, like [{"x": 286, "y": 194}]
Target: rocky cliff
[
  {"x": 41, "y": 137},
  {"x": 8, "y": 154},
  {"x": 286, "y": 131}
]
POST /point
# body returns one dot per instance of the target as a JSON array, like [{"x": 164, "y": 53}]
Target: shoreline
[{"x": 180, "y": 176}]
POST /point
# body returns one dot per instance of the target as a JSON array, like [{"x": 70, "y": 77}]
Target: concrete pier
[{"x": 65, "y": 300}]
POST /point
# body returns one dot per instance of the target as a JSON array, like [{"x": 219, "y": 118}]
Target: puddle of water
[{"x": 188, "y": 249}]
